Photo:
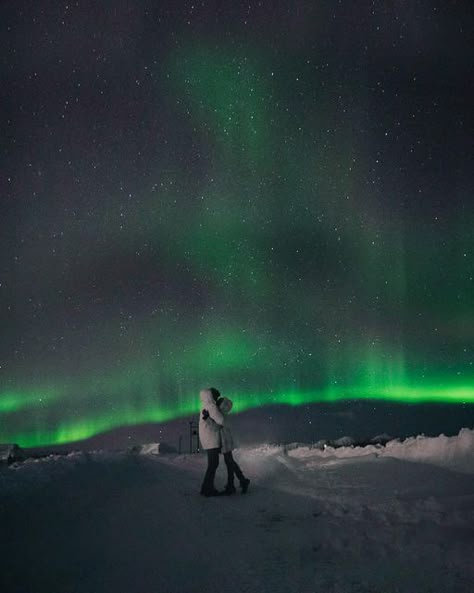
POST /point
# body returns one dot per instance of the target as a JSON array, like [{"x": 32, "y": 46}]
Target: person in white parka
[{"x": 211, "y": 421}]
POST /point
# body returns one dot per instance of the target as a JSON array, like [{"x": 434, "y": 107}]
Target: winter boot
[
  {"x": 244, "y": 484},
  {"x": 229, "y": 490}
]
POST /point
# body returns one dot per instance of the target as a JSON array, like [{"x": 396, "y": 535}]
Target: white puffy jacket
[
  {"x": 209, "y": 432},
  {"x": 224, "y": 431}
]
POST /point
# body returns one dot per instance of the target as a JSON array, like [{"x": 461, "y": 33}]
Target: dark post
[{"x": 193, "y": 433}]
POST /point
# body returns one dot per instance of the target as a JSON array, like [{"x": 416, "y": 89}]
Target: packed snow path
[{"x": 312, "y": 521}]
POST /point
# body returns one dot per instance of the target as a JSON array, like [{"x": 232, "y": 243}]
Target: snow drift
[{"x": 456, "y": 452}]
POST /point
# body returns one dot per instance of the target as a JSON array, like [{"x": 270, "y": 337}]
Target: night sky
[{"x": 274, "y": 198}]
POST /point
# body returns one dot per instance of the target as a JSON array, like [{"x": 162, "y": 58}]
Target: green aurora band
[
  {"x": 146, "y": 406},
  {"x": 76, "y": 430}
]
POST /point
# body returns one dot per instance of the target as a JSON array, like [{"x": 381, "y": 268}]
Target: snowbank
[
  {"x": 455, "y": 453},
  {"x": 152, "y": 449}
]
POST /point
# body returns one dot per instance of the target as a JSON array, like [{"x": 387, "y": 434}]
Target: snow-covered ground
[{"x": 346, "y": 520}]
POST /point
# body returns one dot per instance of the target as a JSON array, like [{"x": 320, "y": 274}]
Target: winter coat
[
  {"x": 225, "y": 432},
  {"x": 209, "y": 432},
  {"x": 227, "y": 442}
]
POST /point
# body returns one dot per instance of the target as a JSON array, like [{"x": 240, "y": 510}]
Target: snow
[
  {"x": 456, "y": 453},
  {"x": 373, "y": 519},
  {"x": 149, "y": 449}
]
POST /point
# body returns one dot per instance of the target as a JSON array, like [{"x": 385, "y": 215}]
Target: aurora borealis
[{"x": 272, "y": 198}]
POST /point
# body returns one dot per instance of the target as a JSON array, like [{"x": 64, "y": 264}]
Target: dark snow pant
[
  {"x": 232, "y": 469},
  {"x": 212, "y": 464}
]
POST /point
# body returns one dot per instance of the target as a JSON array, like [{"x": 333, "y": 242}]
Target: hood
[
  {"x": 226, "y": 405},
  {"x": 206, "y": 397}
]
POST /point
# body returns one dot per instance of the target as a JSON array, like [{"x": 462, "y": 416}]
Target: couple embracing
[{"x": 216, "y": 437}]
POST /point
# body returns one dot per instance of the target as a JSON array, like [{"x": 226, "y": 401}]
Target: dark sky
[{"x": 271, "y": 197}]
